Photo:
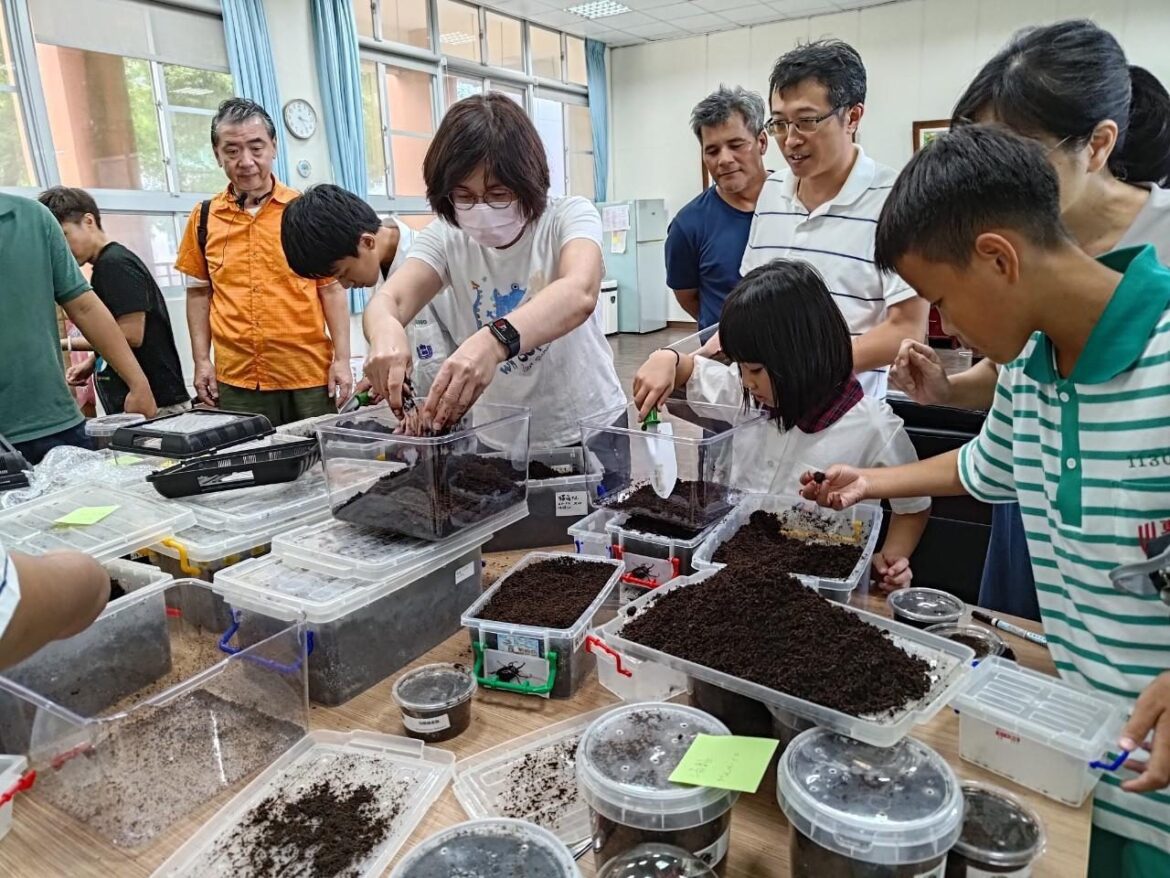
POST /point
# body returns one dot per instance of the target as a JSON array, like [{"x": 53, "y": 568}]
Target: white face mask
[{"x": 490, "y": 226}]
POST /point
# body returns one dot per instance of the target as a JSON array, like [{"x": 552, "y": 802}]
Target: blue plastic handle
[
  {"x": 1098, "y": 765},
  {"x": 281, "y": 668}
]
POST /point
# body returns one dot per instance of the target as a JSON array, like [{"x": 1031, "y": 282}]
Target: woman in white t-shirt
[
  {"x": 525, "y": 274},
  {"x": 792, "y": 356}
]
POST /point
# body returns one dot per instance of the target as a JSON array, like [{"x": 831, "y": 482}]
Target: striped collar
[
  {"x": 861, "y": 177},
  {"x": 847, "y": 394}
]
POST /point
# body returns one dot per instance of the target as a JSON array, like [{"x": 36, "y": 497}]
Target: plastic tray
[
  {"x": 101, "y": 430},
  {"x": 560, "y": 648},
  {"x": 13, "y": 467},
  {"x": 263, "y": 509},
  {"x": 342, "y": 549},
  {"x": 862, "y": 523},
  {"x": 189, "y": 433},
  {"x": 590, "y": 536},
  {"x": 951, "y": 662},
  {"x": 1037, "y": 730},
  {"x": 269, "y": 461},
  {"x": 137, "y": 522},
  {"x": 482, "y": 779},
  {"x": 385, "y": 761},
  {"x": 11, "y": 770}
]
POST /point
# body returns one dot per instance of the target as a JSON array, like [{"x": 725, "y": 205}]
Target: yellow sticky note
[
  {"x": 726, "y": 762},
  {"x": 85, "y": 515}
]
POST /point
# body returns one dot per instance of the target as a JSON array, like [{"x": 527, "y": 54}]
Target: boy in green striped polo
[{"x": 1079, "y": 432}]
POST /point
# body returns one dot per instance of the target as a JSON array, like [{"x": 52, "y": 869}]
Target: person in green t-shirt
[{"x": 37, "y": 271}]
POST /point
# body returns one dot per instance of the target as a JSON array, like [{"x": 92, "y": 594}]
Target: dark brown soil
[
  {"x": 321, "y": 833},
  {"x": 992, "y": 823},
  {"x": 552, "y": 593},
  {"x": 542, "y": 786},
  {"x": 775, "y": 632},
  {"x": 810, "y": 860},
  {"x": 976, "y": 643},
  {"x": 435, "y": 498},
  {"x": 647, "y": 525},
  {"x": 611, "y": 839},
  {"x": 691, "y": 504},
  {"x": 116, "y": 590},
  {"x": 539, "y": 471},
  {"x": 764, "y": 549}
]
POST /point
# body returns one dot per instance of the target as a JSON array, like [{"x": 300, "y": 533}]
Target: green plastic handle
[
  {"x": 651, "y": 419},
  {"x": 523, "y": 687}
]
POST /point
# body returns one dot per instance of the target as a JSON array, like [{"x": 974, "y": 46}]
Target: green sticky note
[
  {"x": 726, "y": 762},
  {"x": 127, "y": 459},
  {"x": 85, "y": 515}
]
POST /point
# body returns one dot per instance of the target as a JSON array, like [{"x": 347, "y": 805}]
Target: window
[
  {"x": 575, "y": 60},
  {"x": 457, "y": 87},
  {"x": 154, "y": 238},
  {"x": 363, "y": 13},
  {"x": 459, "y": 30},
  {"x": 567, "y": 132},
  {"x": 580, "y": 151},
  {"x": 505, "y": 41},
  {"x": 16, "y": 164},
  {"x": 545, "y": 46},
  {"x": 516, "y": 94},
  {"x": 192, "y": 97},
  {"x": 550, "y": 122},
  {"x": 405, "y": 21},
  {"x": 400, "y": 102},
  {"x": 375, "y": 133}
]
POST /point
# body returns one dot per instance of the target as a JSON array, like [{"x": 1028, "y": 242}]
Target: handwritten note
[
  {"x": 726, "y": 762},
  {"x": 85, "y": 515}
]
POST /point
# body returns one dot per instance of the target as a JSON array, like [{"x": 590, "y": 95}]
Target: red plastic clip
[
  {"x": 615, "y": 552},
  {"x": 174, "y": 612},
  {"x": 61, "y": 758},
  {"x": 592, "y": 641},
  {"x": 25, "y": 783}
]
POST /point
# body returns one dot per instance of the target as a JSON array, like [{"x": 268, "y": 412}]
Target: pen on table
[{"x": 996, "y": 622}]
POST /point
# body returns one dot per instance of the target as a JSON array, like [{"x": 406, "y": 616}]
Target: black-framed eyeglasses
[
  {"x": 805, "y": 125},
  {"x": 494, "y": 200}
]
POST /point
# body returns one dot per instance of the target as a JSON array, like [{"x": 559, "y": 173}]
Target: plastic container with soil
[
  {"x": 624, "y": 763},
  {"x": 656, "y": 861},
  {"x": 1001, "y": 835},
  {"x": 113, "y": 717},
  {"x": 435, "y": 701},
  {"x": 781, "y": 534},
  {"x": 363, "y": 631},
  {"x": 101, "y": 430},
  {"x": 533, "y": 778},
  {"x": 1041, "y": 732},
  {"x": 925, "y": 607},
  {"x": 654, "y": 552},
  {"x": 513, "y": 847},
  {"x": 984, "y": 641},
  {"x": 854, "y": 809},
  {"x": 427, "y": 487},
  {"x": 563, "y": 595},
  {"x": 127, "y": 577},
  {"x": 12, "y": 782},
  {"x": 190, "y": 433},
  {"x": 711, "y": 444},
  {"x": 335, "y": 804},
  {"x": 559, "y": 484},
  {"x": 930, "y": 669},
  {"x": 590, "y": 536}
]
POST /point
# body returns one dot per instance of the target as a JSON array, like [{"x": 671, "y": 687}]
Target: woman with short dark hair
[{"x": 525, "y": 273}]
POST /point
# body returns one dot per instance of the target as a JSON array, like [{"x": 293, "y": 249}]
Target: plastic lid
[
  {"x": 984, "y": 641},
  {"x": 195, "y": 422},
  {"x": 881, "y": 806},
  {"x": 107, "y": 425},
  {"x": 625, "y": 758},
  {"x": 513, "y": 847},
  {"x": 1080, "y": 723},
  {"x": 926, "y": 605},
  {"x": 440, "y": 686},
  {"x": 264, "y": 509},
  {"x": 204, "y": 545},
  {"x": 998, "y": 829},
  {"x": 135, "y": 523},
  {"x": 656, "y": 860}
]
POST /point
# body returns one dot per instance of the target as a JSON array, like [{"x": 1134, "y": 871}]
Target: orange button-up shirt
[{"x": 267, "y": 324}]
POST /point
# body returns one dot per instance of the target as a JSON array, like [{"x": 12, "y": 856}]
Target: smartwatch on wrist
[{"x": 506, "y": 335}]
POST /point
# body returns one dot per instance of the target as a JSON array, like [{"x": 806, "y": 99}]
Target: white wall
[{"x": 919, "y": 54}]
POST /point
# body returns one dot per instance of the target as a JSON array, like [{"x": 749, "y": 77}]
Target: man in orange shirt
[{"x": 267, "y": 325}]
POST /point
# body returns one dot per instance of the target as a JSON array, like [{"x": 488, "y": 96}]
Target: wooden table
[{"x": 44, "y": 842}]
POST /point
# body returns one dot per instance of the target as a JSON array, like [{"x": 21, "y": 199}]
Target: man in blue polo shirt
[{"x": 707, "y": 238}]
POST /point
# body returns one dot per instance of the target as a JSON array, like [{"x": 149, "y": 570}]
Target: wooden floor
[{"x": 631, "y": 350}]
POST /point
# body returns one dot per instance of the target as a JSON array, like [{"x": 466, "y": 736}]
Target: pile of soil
[
  {"x": 436, "y": 497},
  {"x": 997, "y": 826},
  {"x": 116, "y": 590},
  {"x": 539, "y": 471},
  {"x": 775, "y": 632},
  {"x": 976, "y": 643},
  {"x": 810, "y": 860},
  {"x": 552, "y": 593},
  {"x": 647, "y": 525},
  {"x": 542, "y": 786},
  {"x": 760, "y": 547},
  {"x": 692, "y": 504}
]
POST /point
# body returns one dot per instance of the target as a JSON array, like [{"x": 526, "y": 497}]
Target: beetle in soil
[
  {"x": 643, "y": 571},
  {"x": 512, "y": 671}
]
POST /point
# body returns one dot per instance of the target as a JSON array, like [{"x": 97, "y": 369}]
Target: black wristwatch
[{"x": 506, "y": 335}]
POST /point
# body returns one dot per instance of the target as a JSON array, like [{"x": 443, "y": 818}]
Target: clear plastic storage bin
[
  {"x": 1037, "y": 730},
  {"x": 859, "y": 525},
  {"x": 651, "y": 558},
  {"x": 554, "y": 504},
  {"x": 11, "y": 773},
  {"x": 557, "y": 659},
  {"x": 950, "y": 663},
  {"x": 710, "y": 445},
  {"x": 143, "y": 717},
  {"x": 421, "y": 486},
  {"x": 407, "y": 778},
  {"x": 590, "y": 535},
  {"x": 101, "y": 430},
  {"x": 513, "y": 847},
  {"x": 127, "y": 577}
]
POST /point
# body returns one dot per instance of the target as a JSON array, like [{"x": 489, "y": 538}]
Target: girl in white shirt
[{"x": 792, "y": 356}]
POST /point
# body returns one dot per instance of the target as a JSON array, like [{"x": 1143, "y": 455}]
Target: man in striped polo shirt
[
  {"x": 823, "y": 207},
  {"x": 1078, "y": 433}
]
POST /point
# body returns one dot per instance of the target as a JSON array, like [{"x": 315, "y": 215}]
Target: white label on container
[
  {"x": 565, "y": 469},
  {"x": 937, "y": 871},
  {"x": 465, "y": 571},
  {"x": 429, "y": 724},
  {"x": 571, "y": 503},
  {"x": 716, "y": 851},
  {"x": 514, "y": 643},
  {"x": 512, "y": 668},
  {"x": 976, "y": 872}
]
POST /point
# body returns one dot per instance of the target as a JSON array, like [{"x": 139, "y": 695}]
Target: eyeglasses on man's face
[{"x": 805, "y": 124}]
